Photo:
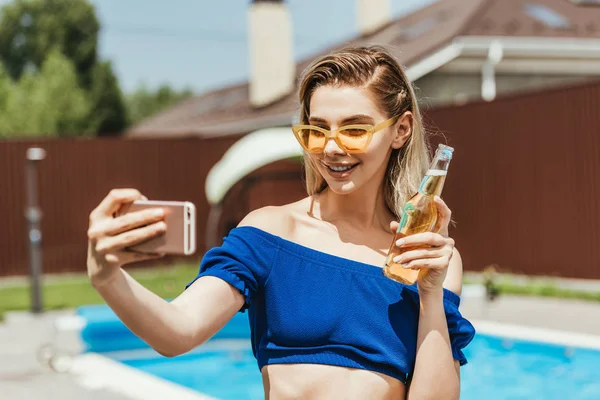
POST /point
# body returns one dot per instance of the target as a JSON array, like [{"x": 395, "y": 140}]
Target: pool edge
[
  {"x": 93, "y": 371},
  {"x": 537, "y": 334}
]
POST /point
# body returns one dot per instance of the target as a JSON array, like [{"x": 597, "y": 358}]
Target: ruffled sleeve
[
  {"x": 244, "y": 261},
  {"x": 460, "y": 330}
]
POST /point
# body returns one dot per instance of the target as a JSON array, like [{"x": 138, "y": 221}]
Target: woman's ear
[{"x": 403, "y": 130}]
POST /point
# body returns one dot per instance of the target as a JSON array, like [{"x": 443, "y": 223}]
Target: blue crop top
[{"x": 306, "y": 306}]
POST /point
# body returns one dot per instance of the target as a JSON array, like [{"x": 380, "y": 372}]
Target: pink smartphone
[{"x": 180, "y": 236}]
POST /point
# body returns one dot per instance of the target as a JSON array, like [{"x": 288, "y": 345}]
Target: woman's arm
[
  {"x": 179, "y": 326},
  {"x": 170, "y": 328},
  {"x": 437, "y": 373}
]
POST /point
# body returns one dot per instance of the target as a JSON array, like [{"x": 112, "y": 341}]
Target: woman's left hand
[{"x": 430, "y": 252}]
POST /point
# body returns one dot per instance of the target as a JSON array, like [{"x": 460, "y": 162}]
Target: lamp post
[{"x": 33, "y": 215}]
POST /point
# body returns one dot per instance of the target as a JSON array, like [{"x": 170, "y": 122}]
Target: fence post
[{"x": 34, "y": 217}]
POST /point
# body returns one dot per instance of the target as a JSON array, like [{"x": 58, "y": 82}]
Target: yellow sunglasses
[{"x": 350, "y": 138}]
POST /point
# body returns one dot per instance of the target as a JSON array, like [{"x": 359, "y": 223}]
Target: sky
[{"x": 202, "y": 44}]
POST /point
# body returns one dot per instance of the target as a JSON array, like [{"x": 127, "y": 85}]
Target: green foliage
[
  {"x": 109, "y": 114},
  {"x": 51, "y": 82},
  {"x": 47, "y": 103},
  {"x": 541, "y": 289},
  {"x": 71, "y": 95},
  {"x": 5, "y": 87},
  {"x": 144, "y": 103},
  {"x": 74, "y": 291},
  {"x": 30, "y": 29}
]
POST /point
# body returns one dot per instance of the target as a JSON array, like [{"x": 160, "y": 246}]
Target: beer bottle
[{"x": 419, "y": 214}]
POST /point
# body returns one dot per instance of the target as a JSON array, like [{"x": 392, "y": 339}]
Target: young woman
[{"x": 326, "y": 323}]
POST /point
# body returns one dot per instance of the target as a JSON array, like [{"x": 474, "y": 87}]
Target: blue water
[
  {"x": 221, "y": 373},
  {"x": 498, "y": 368}
]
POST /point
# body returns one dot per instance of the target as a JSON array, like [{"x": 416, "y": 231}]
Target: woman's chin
[{"x": 341, "y": 188}]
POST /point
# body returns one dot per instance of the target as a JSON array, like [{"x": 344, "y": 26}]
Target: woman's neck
[{"x": 362, "y": 209}]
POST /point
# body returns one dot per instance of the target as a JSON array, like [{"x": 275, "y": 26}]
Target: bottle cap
[{"x": 445, "y": 151}]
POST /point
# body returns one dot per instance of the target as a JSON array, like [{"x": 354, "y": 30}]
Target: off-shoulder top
[{"x": 307, "y": 306}]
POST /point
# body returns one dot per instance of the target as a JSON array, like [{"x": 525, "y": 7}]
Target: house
[{"x": 454, "y": 51}]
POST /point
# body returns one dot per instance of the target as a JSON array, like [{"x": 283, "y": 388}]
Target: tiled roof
[
  {"x": 228, "y": 111},
  {"x": 541, "y": 18}
]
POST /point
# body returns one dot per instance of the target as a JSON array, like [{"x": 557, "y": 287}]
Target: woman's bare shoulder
[{"x": 276, "y": 220}]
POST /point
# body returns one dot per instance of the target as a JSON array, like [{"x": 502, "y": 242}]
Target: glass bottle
[{"x": 419, "y": 214}]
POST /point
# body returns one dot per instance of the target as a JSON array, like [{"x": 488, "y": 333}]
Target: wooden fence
[
  {"x": 77, "y": 174},
  {"x": 524, "y": 185}
]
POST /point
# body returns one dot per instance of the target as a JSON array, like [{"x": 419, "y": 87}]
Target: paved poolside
[
  {"x": 23, "y": 377},
  {"x": 560, "y": 314}
]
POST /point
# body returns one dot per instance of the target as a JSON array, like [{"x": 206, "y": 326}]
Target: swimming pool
[{"x": 498, "y": 368}]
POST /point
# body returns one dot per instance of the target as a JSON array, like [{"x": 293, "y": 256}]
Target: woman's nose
[{"x": 332, "y": 148}]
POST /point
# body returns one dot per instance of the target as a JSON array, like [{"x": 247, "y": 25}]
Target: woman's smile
[{"x": 339, "y": 170}]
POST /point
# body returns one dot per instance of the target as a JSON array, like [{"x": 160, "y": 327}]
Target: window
[{"x": 546, "y": 16}]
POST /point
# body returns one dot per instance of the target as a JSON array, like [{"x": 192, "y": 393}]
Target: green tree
[
  {"x": 108, "y": 112},
  {"x": 30, "y": 29},
  {"x": 144, "y": 103},
  {"x": 33, "y": 35},
  {"x": 49, "y": 103},
  {"x": 6, "y": 91},
  {"x": 5, "y": 86}
]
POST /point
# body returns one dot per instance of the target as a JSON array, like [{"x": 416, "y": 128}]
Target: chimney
[
  {"x": 372, "y": 15},
  {"x": 272, "y": 66}
]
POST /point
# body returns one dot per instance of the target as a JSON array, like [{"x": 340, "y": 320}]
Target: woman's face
[{"x": 334, "y": 106}]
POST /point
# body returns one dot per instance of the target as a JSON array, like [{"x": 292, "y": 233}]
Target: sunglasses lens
[
  {"x": 312, "y": 139},
  {"x": 354, "y": 139}
]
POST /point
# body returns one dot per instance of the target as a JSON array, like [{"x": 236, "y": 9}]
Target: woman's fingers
[
  {"x": 417, "y": 254},
  {"x": 444, "y": 216},
  {"x": 110, "y": 236},
  {"x": 425, "y": 239},
  {"x": 430, "y": 263},
  {"x": 128, "y": 257},
  {"x": 114, "y": 201},
  {"x": 425, "y": 250},
  {"x": 132, "y": 220},
  {"x": 110, "y": 244},
  {"x": 113, "y": 226}
]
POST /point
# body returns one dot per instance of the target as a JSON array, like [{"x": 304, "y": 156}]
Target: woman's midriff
[{"x": 315, "y": 381}]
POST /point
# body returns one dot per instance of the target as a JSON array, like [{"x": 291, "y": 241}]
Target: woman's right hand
[{"x": 109, "y": 236}]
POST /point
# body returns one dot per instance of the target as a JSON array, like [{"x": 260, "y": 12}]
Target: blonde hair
[{"x": 374, "y": 68}]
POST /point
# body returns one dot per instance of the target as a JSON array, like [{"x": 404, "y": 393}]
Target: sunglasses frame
[{"x": 333, "y": 134}]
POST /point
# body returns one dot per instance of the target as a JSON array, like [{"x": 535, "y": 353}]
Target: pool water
[
  {"x": 224, "y": 374},
  {"x": 498, "y": 368},
  {"x": 508, "y": 369}
]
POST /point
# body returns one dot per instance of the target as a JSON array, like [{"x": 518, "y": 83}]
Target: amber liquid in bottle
[{"x": 419, "y": 214}]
